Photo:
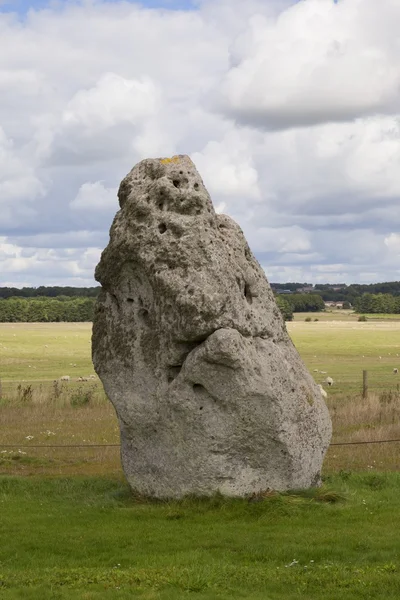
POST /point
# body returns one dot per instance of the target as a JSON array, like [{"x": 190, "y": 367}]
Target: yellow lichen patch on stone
[{"x": 172, "y": 159}]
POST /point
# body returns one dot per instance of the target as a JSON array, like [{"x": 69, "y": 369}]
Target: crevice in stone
[
  {"x": 201, "y": 392},
  {"x": 162, "y": 228},
  {"x": 247, "y": 293},
  {"x": 173, "y": 372},
  {"x": 115, "y": 299}
]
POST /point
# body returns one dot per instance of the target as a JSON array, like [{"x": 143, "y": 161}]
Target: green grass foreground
[{"x": 89, "y": 539}]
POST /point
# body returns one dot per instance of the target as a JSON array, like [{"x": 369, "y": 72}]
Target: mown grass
[{"x": 91, "y": 538}]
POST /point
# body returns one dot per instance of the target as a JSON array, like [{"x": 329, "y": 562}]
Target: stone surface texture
[{"x": 210, "y": 393}]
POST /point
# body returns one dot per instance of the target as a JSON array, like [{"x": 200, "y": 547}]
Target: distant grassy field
[
  {"x": 343, "y": 349},
  {"x": 343, "y": 315},
  {"x": 39, "y": 353},
  {"x": 44, "y": 351}
]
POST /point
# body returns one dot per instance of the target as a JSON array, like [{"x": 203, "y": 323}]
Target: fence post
[
  {"x": 365, "y": 384},
  {"x": 1, "y": 395}
]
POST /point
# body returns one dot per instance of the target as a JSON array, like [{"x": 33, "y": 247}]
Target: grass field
[
  {"x": 44, "y": 351},
  {"x": 71, "y": 529},
  {"x": 89, "y": 539}
]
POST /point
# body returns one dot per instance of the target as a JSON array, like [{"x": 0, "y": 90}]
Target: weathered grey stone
[{"x": 210, "y": 393}]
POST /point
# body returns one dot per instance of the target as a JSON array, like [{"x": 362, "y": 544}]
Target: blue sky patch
[{"x": 23, "y": 6}]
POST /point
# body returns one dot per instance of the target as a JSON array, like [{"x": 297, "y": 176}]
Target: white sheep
[
  {"x": 65, "y": 378},
  {"x": 329, "y": 381},
  {"x": 323, "y": 392}
]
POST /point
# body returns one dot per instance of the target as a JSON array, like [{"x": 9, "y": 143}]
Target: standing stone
[{"x": 210, "y": 393}]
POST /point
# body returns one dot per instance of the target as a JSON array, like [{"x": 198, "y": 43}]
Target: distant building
[
  {"x": 284, "y": 292},
  {"x": 306, "y": 290},
  {"x": 332, "y": 304}
]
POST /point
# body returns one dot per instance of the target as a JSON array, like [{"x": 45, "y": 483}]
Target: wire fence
[{"x": 119, "y": 445}]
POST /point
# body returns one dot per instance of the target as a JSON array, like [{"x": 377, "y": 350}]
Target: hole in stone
[
  {"x": 143, "y": 314},
  {"x": 198, "y": 388},
  {"x": 176, "y": 183},
  {"x": 180, "y": 172},
  {"x": 161, "y": 205},
  {"x": 200, "y": 408},
  {"x": 162, "y": 228},
  {"x": 130, "y": 300},
  {"x": 196, "y": 186}
]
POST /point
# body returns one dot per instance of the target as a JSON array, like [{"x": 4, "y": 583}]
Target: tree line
[
  {"x": 378, "y": 303},
  {"x": 299, "y": 303},
  {"x": 80, "y": 308},
  {"x": 44, "y": 309},
  {"x": 341, "y": 292},
  {"x": 50, "y": 292}
]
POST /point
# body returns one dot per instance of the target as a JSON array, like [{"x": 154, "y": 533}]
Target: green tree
[{"x": 285, "y": 308}]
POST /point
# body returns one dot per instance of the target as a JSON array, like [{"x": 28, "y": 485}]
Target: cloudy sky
[{"x": 289, "y": 109}]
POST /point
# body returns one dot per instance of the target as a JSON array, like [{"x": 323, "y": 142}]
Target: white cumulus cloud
[
  {"x": 95, "y": 196},
  {"x": 318, "y": 62}
]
